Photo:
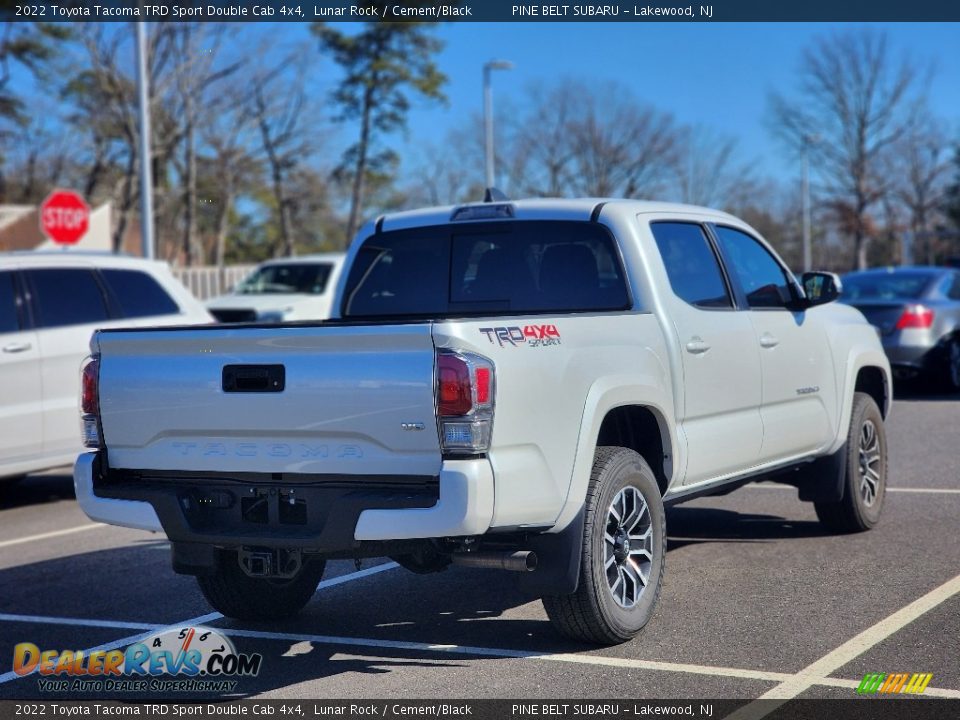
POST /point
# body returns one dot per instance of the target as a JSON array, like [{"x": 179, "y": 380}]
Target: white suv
[
  {"x": 297, "y": 288},
  {"x": 50, "y": 304}
]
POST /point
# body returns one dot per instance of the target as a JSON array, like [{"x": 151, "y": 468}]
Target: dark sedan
[{"x": 916, "y": 310}]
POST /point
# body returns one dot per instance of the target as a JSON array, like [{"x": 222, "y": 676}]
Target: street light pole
[
  {"x": 488, "y": 116},
  {"x": 807, "y": 140},
  {"x": 146, "y": 179}
]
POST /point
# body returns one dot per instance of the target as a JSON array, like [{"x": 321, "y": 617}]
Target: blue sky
[{"x": 718, "y": 75}]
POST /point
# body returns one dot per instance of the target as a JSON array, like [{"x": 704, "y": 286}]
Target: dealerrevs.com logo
[{"x": 191, "y": 659}]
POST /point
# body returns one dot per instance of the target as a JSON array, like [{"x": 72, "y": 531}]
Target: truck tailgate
[{"x": 355, "y": 400}]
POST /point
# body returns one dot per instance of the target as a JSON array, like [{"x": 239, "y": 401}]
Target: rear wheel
[
  {"x": 865, "y": 481},
  {"x": 237, "y": 595},
  {"x": 624, "y": 543}
]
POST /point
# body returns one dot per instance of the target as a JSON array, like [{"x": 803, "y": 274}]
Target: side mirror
[{"x": 821, "y": 288}]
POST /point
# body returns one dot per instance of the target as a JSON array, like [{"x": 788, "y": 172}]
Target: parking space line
[
  {"x": 53, "y": 533},
  {"x": 209, "y": 617},
  {"x": 821, "y": 669},
  {"x": 79, "y": 622},
  {"x": 920, "y": 491},
  {"x": 601, "y": 660}
]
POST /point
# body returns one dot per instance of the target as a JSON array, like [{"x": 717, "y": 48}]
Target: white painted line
[
  {"x": 79, "y": 622},
  {"x": 350, "y": 577},
  {"x": 209, "y": 617},
  {"x": 921, "y": 491},
  {"x": 54, "y": 533},
  {"x": 507, "y": 653},
  {"x": 298, "y": 639},
  {"x": 821, "y": 669}
]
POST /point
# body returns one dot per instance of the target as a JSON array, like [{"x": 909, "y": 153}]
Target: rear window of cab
[{"x": 517, "y": 267}]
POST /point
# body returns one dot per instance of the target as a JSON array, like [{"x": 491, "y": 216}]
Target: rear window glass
[
  {"x": 302, "y": 278},
  {"x": 66, "y": 297},
  {"x": 508, "y": 267},
  {"x": 138, "y": 294},
  {"x": 888, "y": 286}
]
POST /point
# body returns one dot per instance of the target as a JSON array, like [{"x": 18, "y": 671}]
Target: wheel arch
[{"x": 618, "y": 411}]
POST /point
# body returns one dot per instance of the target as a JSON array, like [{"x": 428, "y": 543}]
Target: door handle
[
  {"x": 768, "y": 341},
  {"x": 16, "y": 347},
  {"x": 697, "y": 346}
]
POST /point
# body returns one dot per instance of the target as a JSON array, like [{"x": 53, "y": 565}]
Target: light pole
[
  {"x": 807, "y": 140},
  {"x": 146, "y": 178},
  {"x": 488, "y": 114}
]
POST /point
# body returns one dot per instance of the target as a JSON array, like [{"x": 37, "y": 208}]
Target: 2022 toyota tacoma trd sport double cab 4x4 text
[{"x": 520, "y": 385}]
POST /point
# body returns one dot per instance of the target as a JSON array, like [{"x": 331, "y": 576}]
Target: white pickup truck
[{"x": 521, "y": 385}]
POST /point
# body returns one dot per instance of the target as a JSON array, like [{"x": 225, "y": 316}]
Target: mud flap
[
  {"x": 821, "y": 480},
  {"x": 558, "y": 561},
  {"x": 193, "y": 558}
]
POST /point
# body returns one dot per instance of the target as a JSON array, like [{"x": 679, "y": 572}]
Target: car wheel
[
  {"x": 950, "y": 376},
  {"x": 865, "y": 481},
  {"x": 623, "y": 553},
  {"x": 237, "y": 595}
]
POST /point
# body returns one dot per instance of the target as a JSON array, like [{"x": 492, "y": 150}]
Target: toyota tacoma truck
[{"x": 517, "y": 385}]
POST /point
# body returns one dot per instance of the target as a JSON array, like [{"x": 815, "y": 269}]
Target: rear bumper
[
  {"x": 126, "y": 513},
  {"x": 331, "y": 515}
]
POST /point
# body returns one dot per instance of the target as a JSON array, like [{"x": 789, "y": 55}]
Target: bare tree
[
  {"x": 920, "y": 165},
  {"x": 278, "y": 104},
  {"x": 859, "y": 102},
  {"x": 579, "y": 139},
  {"x": 708, "y": 172}
]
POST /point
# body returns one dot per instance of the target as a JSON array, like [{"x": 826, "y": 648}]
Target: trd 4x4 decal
[{"x": 529, "y": 335}]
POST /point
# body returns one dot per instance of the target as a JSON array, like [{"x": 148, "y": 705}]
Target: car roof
[
  {"x": 582, "y": 209},
  {"x": 931, "y": 270},
  {"x": 306, "y": 259},
  {"x": 59, "y": 258}
]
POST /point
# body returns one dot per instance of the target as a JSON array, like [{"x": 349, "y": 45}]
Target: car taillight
[
  {"x": 90, "y": 401},
  {"x": 465, "y": 398},
  {"x": 915, "y": 316}
]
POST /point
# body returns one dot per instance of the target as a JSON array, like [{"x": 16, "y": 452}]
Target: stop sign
[{"x": 64, "y": 217}]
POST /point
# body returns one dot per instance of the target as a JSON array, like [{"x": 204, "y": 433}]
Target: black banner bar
[
  {"x": 482, "y": 11},
  {"x": 888, "y": 708}
]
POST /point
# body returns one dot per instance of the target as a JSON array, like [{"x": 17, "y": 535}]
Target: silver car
[{"x": 916, "y": 310}]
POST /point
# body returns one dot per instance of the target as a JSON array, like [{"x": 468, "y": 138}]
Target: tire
[
  {"x": 863, "y": 491},
  {"x": 237, "y": 595},
  {"x": 619, "y": 481},
  {"x": 950, "y": 369}
]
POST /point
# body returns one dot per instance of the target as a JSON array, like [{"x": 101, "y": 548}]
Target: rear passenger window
[
  {"x": 137, "y": 294},
  {"x": 66, "y": 296},
  {"x": 691, "y": 264},
  {"x": 8, "y": 304}
]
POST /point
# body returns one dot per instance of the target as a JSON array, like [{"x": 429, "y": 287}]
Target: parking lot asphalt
[{"x": 757, "y": 600}]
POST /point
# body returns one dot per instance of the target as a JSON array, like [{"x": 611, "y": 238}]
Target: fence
[{"x": 209, "y": 281}]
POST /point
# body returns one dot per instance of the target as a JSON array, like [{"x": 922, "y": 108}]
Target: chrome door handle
[
  {"x": 16, "y": 347},
  {"x": 697, "y": 346},
  {"x": 768, "y": 341}
]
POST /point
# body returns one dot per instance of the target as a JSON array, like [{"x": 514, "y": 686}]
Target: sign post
[{"x": 64, "y": 217}]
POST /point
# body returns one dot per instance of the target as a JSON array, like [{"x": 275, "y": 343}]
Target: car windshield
[
  {"x": 482, "y": 268},
  {"x": 303, "y": 278},
  {"x": 886, "y": 286}
]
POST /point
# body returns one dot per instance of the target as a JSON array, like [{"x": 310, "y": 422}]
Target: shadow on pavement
[
  {"x": 693, "y": 525},
  {"x": 36, "y": 490}
]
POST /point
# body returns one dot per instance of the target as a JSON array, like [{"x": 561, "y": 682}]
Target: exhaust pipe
[{"x": 520, "y": 561}]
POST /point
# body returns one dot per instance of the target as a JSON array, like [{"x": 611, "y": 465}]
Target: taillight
[
  {"x": 915, "y": 316},
  {"x": 90, "y": 401},
  {"x": 465, "y": 398}
]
